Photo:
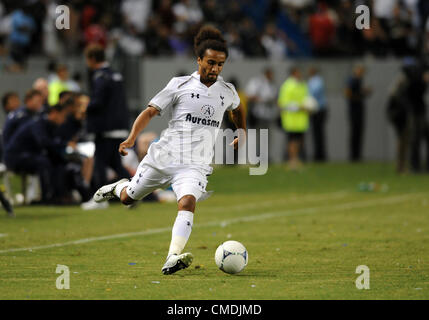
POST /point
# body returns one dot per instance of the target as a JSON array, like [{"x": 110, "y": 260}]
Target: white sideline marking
[
  {"x": 256, "y": 217},
  {"x": 3, "y": 235}
]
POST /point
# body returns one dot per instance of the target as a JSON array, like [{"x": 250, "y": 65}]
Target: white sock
[
  {"x": 119, "y": 188},
  {"x": 181, "y": 231}
]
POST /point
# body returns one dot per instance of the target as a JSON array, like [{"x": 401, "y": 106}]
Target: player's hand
[
  {"x": 125, "y": 145},
  {"x": 72, "y": 144},
  {"x": 234, "y": 143},
  {"x": 239, "y": 141}
]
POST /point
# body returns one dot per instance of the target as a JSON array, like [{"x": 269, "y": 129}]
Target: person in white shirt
[
  {"x": 182, "y": 156},
  {"x": 262, "y": 95}
]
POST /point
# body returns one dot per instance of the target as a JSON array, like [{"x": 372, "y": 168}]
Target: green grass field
[{"x": 305, "y": 233}]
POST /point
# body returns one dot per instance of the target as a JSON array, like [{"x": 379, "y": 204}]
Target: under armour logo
[
  {"x": 222, "y": 100},
  {"x": 195, "y": 95}
]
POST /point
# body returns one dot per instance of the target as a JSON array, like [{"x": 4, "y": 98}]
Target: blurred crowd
[
  {"x": 273, "y": 29},
  {"x": 68, "y": 141},
  {"x": 63, "y": 142},
  {"x": 299, "y": 107}
]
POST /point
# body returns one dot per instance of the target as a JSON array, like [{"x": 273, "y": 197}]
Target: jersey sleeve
[
  {"x": 165, "y": 98},
  {"x": 235, "y": 98}
]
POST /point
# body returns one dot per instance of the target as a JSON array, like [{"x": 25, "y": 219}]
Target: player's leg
[
  {"x": 143, "y": 183},
  {"x": 189, "y": 186},
  {"x": 182, "y": 228},
  {"x": 183, "y": 225}
]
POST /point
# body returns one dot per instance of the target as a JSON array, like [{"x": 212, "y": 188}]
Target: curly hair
[{"x": 209, "y": 38}]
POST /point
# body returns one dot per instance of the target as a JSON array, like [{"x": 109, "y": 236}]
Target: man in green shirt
[{"x": 294, "y": 114}]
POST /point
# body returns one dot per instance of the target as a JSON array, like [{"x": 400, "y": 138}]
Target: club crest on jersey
[
  {"x": 221, "y": 98},
  {"x": 207, "y": 111}
]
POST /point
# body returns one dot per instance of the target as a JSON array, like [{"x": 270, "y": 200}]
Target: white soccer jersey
[{"x": 197, "y": 113}]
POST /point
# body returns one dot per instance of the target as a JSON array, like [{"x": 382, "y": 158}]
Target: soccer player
[{"x": 198, "y": 102}]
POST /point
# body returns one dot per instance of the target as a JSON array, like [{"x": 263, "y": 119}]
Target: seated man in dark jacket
[
  {"x": 35, "y": 148},
  {"x": 15, "y": 119}
]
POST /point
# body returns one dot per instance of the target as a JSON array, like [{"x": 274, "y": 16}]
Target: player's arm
[
  {"x": 239, "y": 119},
  {"x": 139, "y": 124}
]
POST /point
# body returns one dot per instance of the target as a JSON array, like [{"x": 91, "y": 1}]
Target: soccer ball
[{"x": 231, "y": 257}]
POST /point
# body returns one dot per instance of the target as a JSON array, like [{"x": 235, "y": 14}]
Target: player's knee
[{"x": 187, "y": 203}]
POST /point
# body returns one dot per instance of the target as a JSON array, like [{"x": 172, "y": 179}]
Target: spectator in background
[
  {"x": 166, "y": 14},
  {"x": 294, "y": 116},
  {"x": 187, "y": 13},
  {"x": 376, "y": 40},
  {"x": 261, "y": 94},
  {"x": 322, "y": 31},
  {"x": 34, "y": 148},
  {"x": 383, "y": 12},
  {"x": 10, "y": 102},
  {"x": 136, "y": 14},
  {"x": 400, "y": 28},
  {"x": 399, "y": 110},
  {"x": 316, "y": 87},
  {"x": 348, "y": 36},
  {"x": 77, "y": 164},
  {"x": 128, "y": 41},
  {"x": 274, "y": 42},
  {"x": 23, "y": 27},
  {"x": 107, "y": 115},
  {"x": 156, "y": 38},
  {"x": 234, "y": 41},
  {"x": 213, "y": 11},
  {"x": 41, "y": 85},
  {"x": 356, "y": 94},
  {"x": 250, "y": 39},
  {"x": 32, "y": 108},
  {"x": 419, "y": 79},
  {"x": 96, "y": 32},
  {"x": 58, "y": 85}
]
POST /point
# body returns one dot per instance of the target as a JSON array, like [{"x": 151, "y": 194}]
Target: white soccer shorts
[{"x": 184, "y": 180}]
